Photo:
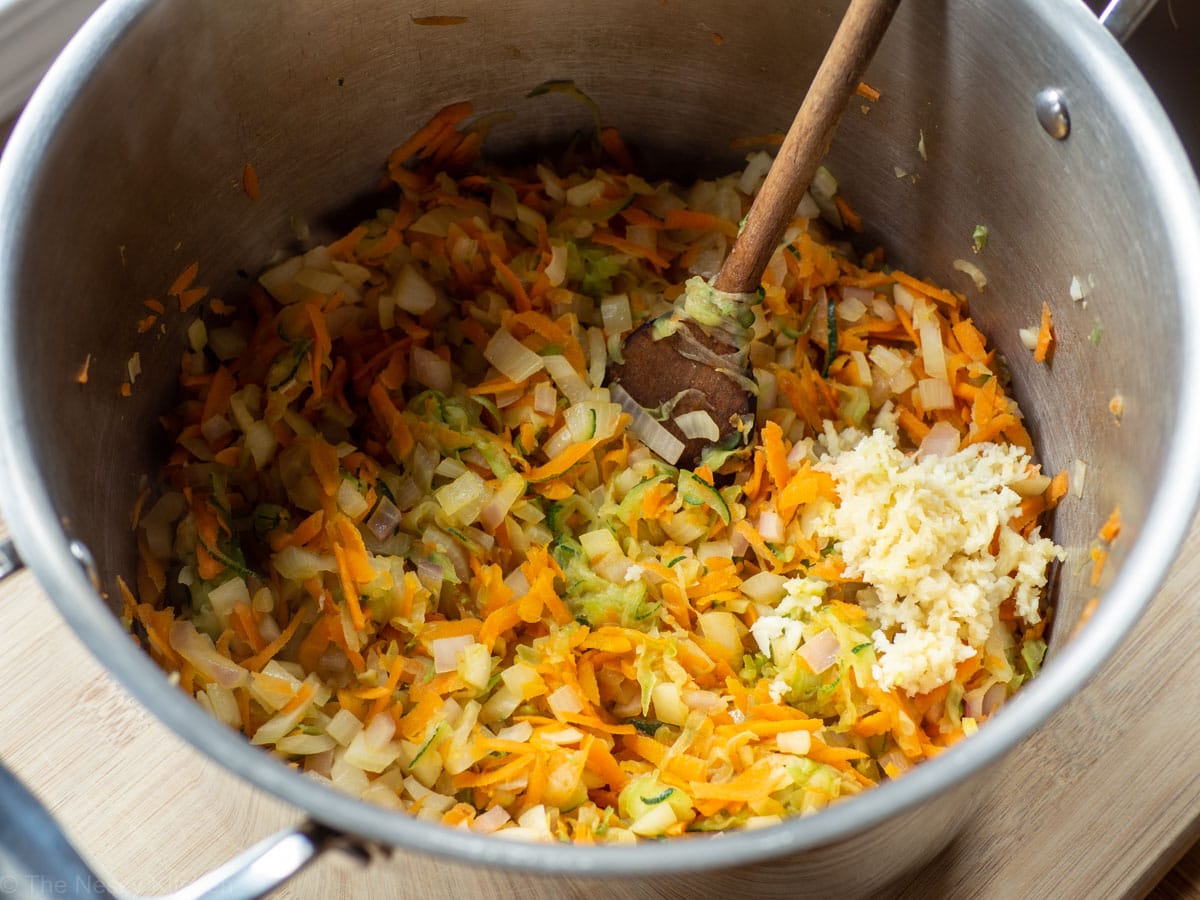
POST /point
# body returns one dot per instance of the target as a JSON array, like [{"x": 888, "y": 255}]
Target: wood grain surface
[{"x": 1101, "y": 802}]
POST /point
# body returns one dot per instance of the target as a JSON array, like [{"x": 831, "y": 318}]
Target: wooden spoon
[{"x": 655, "y": 369}]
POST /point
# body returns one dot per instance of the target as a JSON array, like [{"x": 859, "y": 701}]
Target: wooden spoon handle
[{"x": 806, "y": 143}]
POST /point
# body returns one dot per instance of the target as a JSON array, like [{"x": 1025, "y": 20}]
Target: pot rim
[{"x": 45, "y": 545}]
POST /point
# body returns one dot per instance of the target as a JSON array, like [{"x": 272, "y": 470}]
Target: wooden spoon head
[{"x": 656, "y": 371}]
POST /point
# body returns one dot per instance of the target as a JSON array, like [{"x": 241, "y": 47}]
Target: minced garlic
[{"x": 932, "y": 538}]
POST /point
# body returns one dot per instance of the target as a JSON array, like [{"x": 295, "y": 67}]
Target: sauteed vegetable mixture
[{"x": 409, "y": 541}]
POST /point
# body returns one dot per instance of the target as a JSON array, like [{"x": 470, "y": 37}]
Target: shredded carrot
[
  {"x": 184, "y": 280},
  {"x": 1112, "y": 526},
  {"x": 1045, "y": 338},
  {"x": 250, "y": 182},
  {"x": 867, "y": 92}
]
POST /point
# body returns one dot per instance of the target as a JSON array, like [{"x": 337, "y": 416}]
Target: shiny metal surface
[
  {"x": 36, "y": 860},
  {"x": 1052, "y": 113},
  {"x": 1122, "y": 17},
  {"x": 167, "y": 101},
  {"x": 10, "y": 560}
]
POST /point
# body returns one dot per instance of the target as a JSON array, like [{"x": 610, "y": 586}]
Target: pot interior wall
[{"x": 144, "y": 176}]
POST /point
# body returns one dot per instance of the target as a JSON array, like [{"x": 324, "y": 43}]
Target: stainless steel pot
[{"x": 126, "y": 164}]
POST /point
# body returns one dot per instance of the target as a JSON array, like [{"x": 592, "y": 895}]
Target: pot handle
[
  {"x": 10, "y": 560},
  {"x": 36, "y": 859},
  {"x": 1122, "y": 17}
]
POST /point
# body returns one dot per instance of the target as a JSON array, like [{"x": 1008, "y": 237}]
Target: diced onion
[
  {"x": 298, "y": 564},
  {"x": 564, "y": 700},
  {"x": 757, "y": 166},
  {"x": 820, "y": 652},
  {"x": 198, "y": 650},
  {"x": 447, "y": 651},
  {"x": 1078, "y": 475},
  {"x": 556, "y": 269},
  {"x": 941, "y": 441},
  {"x": 598, "y": 543},
  {"x": 464, "y": 498},
  {"x": 597, "y": 353},
  {"x": 644, "y": 426},
  {"x": 851, "y": 309},
  {"x": 350, "y": 501},
  {"x": 889, "y": 361},
  {"x": 764, "y": 587},
  {"x": 615, "y": 314},
  {"x": 935, "y": 394},
  {"x": 905, "y": 299},
  {"x": 770, "y": 526},
  {"x": 545, "y": 398},
  {"x": 807, "y": 207},
  {"x": 862, "y": 367},
  {"x": 490, "y": 821},
  {"x": 1078, "y": 291},
  {"x": 279, "y": 281},
  {"x": 431, "y": 370},
  {"x": 584, "y": 194},
  {"x": 569, "y": 381},
  {"x": 510, "y": 490},
  {"x": 318, "y": 281},
  {"x": 797, "y": 742},
  {"x": 514, "y": 360},
  {"x": 413, "y": 293},
  {"x": 1031, "y": 486},
  {"x": 384, "y": 519},
  {"x": 698, "y": 423},
  {"x": 969, "y": 268},
  {"x": 823, "y": 189},
  {"x": 933, "y": 353},
  {"x": 197, "y": 335},
  {"x": 1029, "y": 337}
]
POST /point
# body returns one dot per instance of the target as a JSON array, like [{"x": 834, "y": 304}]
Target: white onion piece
[
  {"x": 905, "y": 299},
  {"x": 935, "y": 394},
  {"x": 413, "y": 293},
  {"x": 564, "y": 700},
  {"x": 545, "y": 398},
  {"x": 215, "y": 429},
  {"x": 851, "y": 309},
  {"x": 865, "y": 296},
  {"x": 512, "y": 359},
  {"x": 490, "y": 821},
  {"x": 820, "y": 652},
  {"x": 510, "y": 490},
  {"x": 770, "y": 526},
  {"x": 757, "y": 165},
  {"x": 1029, "y": 337},
  {"x": 644, "y": 426},
  {"x": 888, "y": 360},
  {"x": 615, "y": 314},
  {"x": 863, "y": 368},
  {"x": 1078, "y": 475},
  {"x": 994, "y": 698},
  {"x": 556, "y": 269},
  {"x": 969, "y": 268},
  {"x": 698, "y": 424},
  {"x": 941, "y": 441},
  {"x": 597, "y": 353},
  {"x": 198, "y": 650},
  {"x": 569, "y": 381},
  {"x": 447, "y": 651},
  {"x": 584, "y": 194},
  {"x": 384, "y": 519},
  {"x": 431, "y": 370},
  {"x": 930, "y": 331}
]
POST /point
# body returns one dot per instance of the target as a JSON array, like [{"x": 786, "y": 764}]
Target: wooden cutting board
[{"x": 1100, "y": 802}]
